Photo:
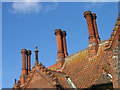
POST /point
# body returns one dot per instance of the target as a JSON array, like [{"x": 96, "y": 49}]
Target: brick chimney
[
  {"x": 36, "y": 55},
  {"x": 60, "y": 52},
  {"x": 29, "y": 60},
  {"x": 92, "y": 36},
  {"x": 24, "y": 68},
  {"x": 95, "y": 27},
  {"x": 64, "y": 43}
]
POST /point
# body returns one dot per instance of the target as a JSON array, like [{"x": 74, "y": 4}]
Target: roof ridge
[
  {"x": 75, "y": 54},
  {"x": 47, "y": 72},
  {"x": 29, "y": 79}
]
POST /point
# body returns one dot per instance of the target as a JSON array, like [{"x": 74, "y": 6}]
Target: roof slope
[
  {"x": 42, "y": 77},
  {"x": 82, "y": 69},
  {"x": 37, "y": 79}
]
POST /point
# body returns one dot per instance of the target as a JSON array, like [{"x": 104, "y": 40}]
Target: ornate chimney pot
[{"x": 36, "y": 55}]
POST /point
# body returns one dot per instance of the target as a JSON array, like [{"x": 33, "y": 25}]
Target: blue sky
[{"x": 29, "y": 27}]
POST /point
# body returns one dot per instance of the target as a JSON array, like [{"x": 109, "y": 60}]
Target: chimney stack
[
  {"x": 36, "y": 55},
  {"x": 24, "y": 69},
  {"x": 64, "y": 43},
  {"x": 60, "y": 52},
  {"x": 29, "y": 60},
  {"x": 95, "y": 27},
  {"x": 93, "y": 43},
  {"x": 91, "y": 31}
]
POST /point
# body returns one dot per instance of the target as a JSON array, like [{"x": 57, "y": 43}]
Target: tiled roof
[
  {"x": 45, "y": 76},
  {"x": 85, "y": 70},
  {"x": 82, "y": 69},
  {"x": 54, "y": 67}
]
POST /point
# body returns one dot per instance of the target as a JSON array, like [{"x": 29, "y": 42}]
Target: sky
[{"x": 26, "y": 25}]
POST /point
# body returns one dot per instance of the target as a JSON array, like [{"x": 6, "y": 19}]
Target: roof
[
  {"x": 83, "y": 69},
  {"x": 42, "y": 77}
]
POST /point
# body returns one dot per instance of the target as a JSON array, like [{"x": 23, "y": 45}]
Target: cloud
[
  {"x": 26, "y": 7},
  {"x": 93, "y": 4},
  {"x": 50, "y": 7}
]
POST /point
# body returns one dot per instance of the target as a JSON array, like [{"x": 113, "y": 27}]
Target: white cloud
[
  {"x": 50, "y": 7},
  {"x": 26, "y": 7}
]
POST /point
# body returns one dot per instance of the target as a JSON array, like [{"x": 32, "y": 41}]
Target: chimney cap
[
  {"x": 29, "y": 52},
  {"x": 58, "y": 31},
  {"x": 23, "y": 50},
  {"x": 36, "y": 50},
  {"x": 64, "y": 33},
  {"x": 94, "y": 16},
  {"x": 87, "y": 13}
]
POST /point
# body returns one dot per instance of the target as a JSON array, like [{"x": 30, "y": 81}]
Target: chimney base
[{"x": 60, "y": 62}]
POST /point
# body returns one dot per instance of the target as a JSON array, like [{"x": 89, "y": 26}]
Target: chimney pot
[
  {"x": 94, "y": 16},
  {"x": 36, "y": 55},
  {"x": 95, "y": 28},
  {"x": 59, "y": 38},
  {"x": 87, "y": 13},
  {"x": 64, "y": 43},
  {"x": 29, "y": 52},
  {"x": 92, "y": 30},
  {"x": 29, "y": 60},
  {"x": 24, "y": 69},
  {"x": 23, "y": 51},
  {"x": 58, "y": 31},
  {"x": 64, "y": 33}
]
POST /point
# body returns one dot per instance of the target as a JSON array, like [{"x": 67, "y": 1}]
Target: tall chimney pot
[
  {"x": 95, "y": 27},
  {"x": 60, "y": 53},
  {"x": 64, "y": 43},
  {"x": 24, "y": 68},
  {"x": 29, "y": 60}
]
